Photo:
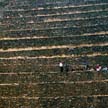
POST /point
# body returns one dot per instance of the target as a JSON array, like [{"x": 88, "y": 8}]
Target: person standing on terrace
[
  {"x": 105, "y": 69},
  {"x": 98, "y": 67},
  {"x": 61, "y": 66},
  {"x": 66, "y": 66}
]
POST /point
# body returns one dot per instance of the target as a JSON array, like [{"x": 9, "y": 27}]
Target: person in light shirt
[
  {"x": 98, "y": 67},
  {"x": 61, "y": 66}
]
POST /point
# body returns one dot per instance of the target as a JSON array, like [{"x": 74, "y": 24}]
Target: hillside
[{"x": 35, "y": 35}]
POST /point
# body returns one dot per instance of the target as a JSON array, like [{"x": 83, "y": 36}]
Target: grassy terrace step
[
  {"x": 75, "y": 102},
  {"x": 69, "y": 23},
  {"x": 46, "y": 65},
  {"x": 71, "y": 1},
  {"x": 19, "y": 90},
  {"x": 19, "y": 103},
  {"x": 83, "y": 22},
  {"x": 34, "y": 53},
  {"x": 35, "y": 77},
  {"x": 26, "y": 67},
  {"x": 55, "y": 89},
  {"x": 87, "y": 50},
  {"x": 37, "y": 10},
  {"x": 41, "y": 18},
  {"x": 66, "y": 102},
  {"x": 67, "y": 40},
  {"x": 53, "y": 52},
  {"x": 57, "y": 31},
  {"x": 65, "y": 27},
  {"x": 38, "y": 62},
  {"x": 53, "y": 61},
  {"x": 55, "y": 10},
  {"x": 13, "y": 36},
  {"x": 51, "y": 4}
]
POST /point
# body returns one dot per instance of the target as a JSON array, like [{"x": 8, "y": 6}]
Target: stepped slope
[{"x": 35, "y": 35}]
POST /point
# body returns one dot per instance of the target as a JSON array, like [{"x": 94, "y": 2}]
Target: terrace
[{"x": 35, "y": 38}]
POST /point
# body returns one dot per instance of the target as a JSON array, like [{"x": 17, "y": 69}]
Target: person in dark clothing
[
  {"x": 66, "y": 66},
  {"x": 87, "y": 67}
]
